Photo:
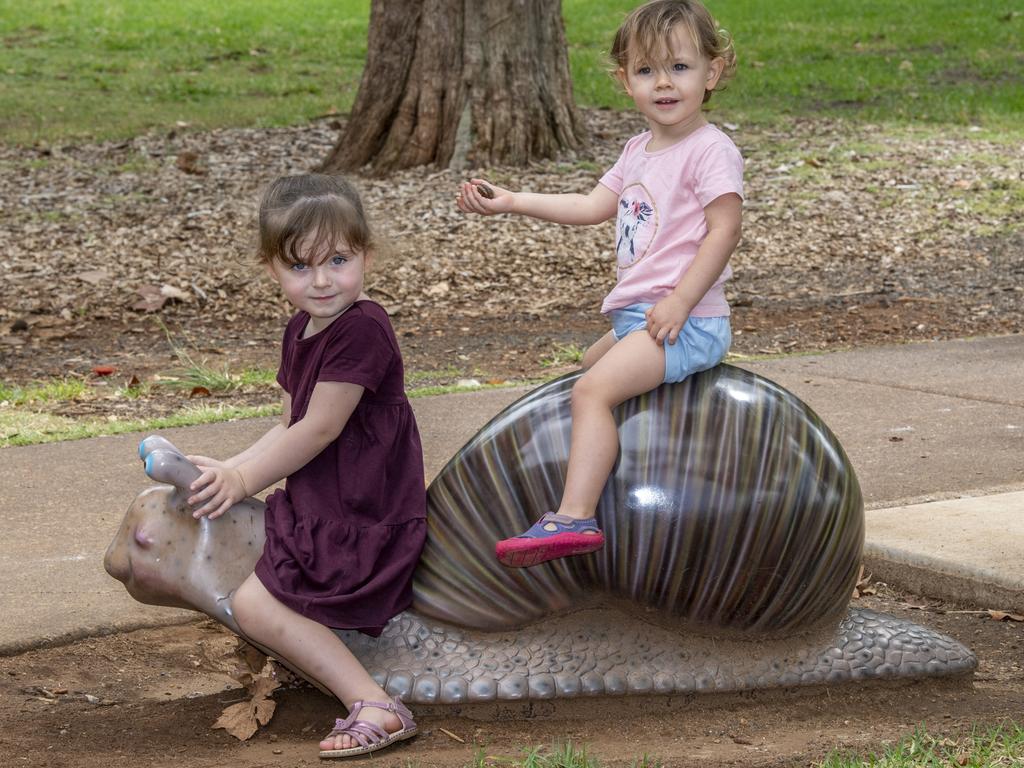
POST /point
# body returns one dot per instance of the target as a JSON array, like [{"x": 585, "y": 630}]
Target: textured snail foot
[{"x": 608, "y": 652}]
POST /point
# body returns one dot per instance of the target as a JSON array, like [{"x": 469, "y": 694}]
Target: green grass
[
  {"x": 992, "y": 748},
  {"x": 42, "y": 392},
  {"x": 563, "y": 354},
  {"x": 106, "y": 69},
  {"x": 560, "y": 755},
  {"x": 935, "y": 61},
  {"x": 27, "y": 428},
  {"x": 72, "y": 69},
  {"x": 22, "y": 424}
]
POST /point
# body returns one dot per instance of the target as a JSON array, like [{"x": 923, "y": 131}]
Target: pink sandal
[{"x": 370, "y": 736}]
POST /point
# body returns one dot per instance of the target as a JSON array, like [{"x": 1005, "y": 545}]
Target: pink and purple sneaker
[{"x": 551, "y": 537}]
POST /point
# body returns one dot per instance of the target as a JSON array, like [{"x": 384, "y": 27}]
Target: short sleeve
[
  {"x": 291, "y": 333},
  {"x": 613, "y": 178},
  {"x": 359, "y": 353},
  {"x": 719, "y": 171}
]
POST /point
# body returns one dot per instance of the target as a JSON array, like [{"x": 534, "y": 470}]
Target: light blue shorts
[{"x": 701, "y": 344}]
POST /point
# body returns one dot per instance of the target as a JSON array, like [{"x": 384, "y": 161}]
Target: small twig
[{"x": 449, "y": 734}]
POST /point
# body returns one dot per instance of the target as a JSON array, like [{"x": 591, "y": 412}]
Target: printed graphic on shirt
[{"x": 636, "y": 225}]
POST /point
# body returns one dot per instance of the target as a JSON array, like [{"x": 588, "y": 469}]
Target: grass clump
[
  {"x": 991, "y": 748},
  {"x": 560, "y": 755},
  {"x": 57, "y": 390},
  {"x": 563, "y": 354}
]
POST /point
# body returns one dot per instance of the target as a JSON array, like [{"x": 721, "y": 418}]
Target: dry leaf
[
  {"x": 188, "y": 161},
  {"x": 1005, "y": 616},
  {"x": 152, "y": 299},
  {"x": 243, "y": 719},
  {"x": 172, "y": 292},
  {"x": 863, "y": 585},
  {"x": 93, "y": 276},
  {"x": 199, "y": 392}
]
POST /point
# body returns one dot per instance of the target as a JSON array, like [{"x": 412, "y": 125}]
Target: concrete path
[{"x": 922, "y": 423}]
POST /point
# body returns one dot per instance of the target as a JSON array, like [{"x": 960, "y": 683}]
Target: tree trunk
[{"x": 459, "y": 83}]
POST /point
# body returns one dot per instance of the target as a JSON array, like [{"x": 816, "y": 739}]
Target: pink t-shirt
[{"x": 661, "y": 222}]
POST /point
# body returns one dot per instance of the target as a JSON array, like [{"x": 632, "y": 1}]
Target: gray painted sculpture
[{"x": 734, "y": 527}]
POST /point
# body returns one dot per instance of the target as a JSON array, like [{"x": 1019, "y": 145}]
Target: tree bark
[{"x": 459, "y": 83}]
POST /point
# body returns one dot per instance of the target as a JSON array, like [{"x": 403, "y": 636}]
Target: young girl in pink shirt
[{"x": 677, "y": 192}]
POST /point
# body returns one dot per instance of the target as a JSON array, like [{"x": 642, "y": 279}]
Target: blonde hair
[
  {"x": 314, "y": 212},
  {"x": 647, "y": 29}
]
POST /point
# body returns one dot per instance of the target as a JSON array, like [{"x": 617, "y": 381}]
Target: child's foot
[
  {"x": 550, "y": 537},
  {"x": 369, "y": 726}
]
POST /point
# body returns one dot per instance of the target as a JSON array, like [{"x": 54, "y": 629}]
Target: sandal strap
[
  {"x": 366, "y": 732},
  {"x": 562, "y": 523}
]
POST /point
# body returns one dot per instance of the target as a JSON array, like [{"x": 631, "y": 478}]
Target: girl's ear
[
  {"x": 715, "y": 71},
  {"x": 620, "y": 75},
  {"x": 368, "y": 256},
  {"x": 269, "y": 265}
]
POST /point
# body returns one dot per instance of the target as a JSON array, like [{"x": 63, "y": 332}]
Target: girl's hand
[
  {"x": 666, "y": 319},
  {"x": 205, "y": 461},
  {"x": 480, "y": 196},
  {"x": 222, "y": 488}
]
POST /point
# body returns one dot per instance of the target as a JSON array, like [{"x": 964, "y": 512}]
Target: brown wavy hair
[
  {"x": 646, "y": 30},
  {"x": 314, "y": 212}
]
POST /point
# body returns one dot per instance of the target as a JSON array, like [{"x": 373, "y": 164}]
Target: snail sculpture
[{"x": 734, "y": 527}]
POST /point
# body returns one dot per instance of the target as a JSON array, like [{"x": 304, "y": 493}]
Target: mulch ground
[{"x": 126, "y": 254}]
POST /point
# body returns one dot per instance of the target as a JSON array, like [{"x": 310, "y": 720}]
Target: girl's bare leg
[
  {"x": 314, "y": 649},
  {"x": 597, "y": 350},
  {"x": 627, "y": 368}
]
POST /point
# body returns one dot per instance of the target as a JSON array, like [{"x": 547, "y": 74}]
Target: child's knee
[{"x": 585, "y": 391}]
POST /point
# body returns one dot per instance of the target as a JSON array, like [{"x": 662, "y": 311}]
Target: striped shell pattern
[{"x": 731, "y": 506}]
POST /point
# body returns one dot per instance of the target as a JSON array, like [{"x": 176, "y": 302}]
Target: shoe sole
[
  {"x": 402, "y": 735},
  {"x": 542, "y": 552}
]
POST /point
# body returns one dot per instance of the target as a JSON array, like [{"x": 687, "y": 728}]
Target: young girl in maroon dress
[{"x": 345, "y": 534}]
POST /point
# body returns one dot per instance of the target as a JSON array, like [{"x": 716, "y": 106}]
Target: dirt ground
[
  {"x": 123, "y": 254},
  {"x": 119, "y": 254},
  {"x": 151, "y": 696}
]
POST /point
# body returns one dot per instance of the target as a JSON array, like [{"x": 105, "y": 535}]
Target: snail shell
[{"x": 731, "y": 506}]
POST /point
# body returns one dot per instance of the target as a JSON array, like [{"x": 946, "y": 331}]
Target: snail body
[{"x": 734, "y": 527}]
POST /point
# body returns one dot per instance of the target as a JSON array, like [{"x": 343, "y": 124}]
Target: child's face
[
  {"x": 670, "y": 92},
  {"x": 324, "y": 284}
]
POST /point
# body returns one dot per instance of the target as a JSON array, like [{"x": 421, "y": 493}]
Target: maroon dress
[{"x": 345, "y": 534}]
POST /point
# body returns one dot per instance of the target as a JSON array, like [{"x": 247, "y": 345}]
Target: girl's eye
[
  {"x": 298, "y": 267},
  {"x": 679, "y": 67},
  {"x": 337, "y": 259},
  {"x": 644, "y": 71}
]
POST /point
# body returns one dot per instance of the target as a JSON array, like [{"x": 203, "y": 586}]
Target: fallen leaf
[
  {"x": 188, "y": 162},
  {"x": 1005, "y": 616},
  {"x": 171, "y": 292},
  {"x": 93, "y": 276},
  {"x": 199, "y": 392},
  {"x": 152, "y": 299},
  {"x": 242, "y": 720},
  {"x": 104, "y": 370}
]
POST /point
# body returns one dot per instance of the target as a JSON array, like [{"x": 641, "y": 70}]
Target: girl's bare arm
[
  {"x": 330, "y": 407},
  {"x": 724, "y": 216},
  {"x": 268, "y": 438},
  {"x": 480, "y": 196}
]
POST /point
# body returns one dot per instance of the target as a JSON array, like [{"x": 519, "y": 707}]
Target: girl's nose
[{"x": 320, "y": 276}]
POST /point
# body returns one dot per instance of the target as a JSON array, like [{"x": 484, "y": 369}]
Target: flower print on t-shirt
[{"x": 637, "y": 224}]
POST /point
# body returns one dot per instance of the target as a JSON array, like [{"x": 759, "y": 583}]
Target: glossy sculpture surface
[{"x": 734, "y": 528}]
